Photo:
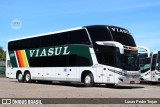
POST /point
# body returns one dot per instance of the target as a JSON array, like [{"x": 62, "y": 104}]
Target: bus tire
[
  {"x": 20, "y": 77},
  {"x": 88, "y": 80},
  {"x": 27, "y": 77},
  {"x": 154, "y": 83}
]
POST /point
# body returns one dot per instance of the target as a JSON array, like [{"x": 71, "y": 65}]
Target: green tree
[{"x": 2, "y": 54}]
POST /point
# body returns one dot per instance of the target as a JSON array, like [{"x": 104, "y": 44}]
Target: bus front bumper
[{"x": 129, "y": 79}]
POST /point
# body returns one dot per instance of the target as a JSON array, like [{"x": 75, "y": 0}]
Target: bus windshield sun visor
[{"x": 113, "y": 44}]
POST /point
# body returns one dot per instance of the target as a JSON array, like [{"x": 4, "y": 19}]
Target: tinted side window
[
  {"x": 71, "y": 37},
  {"x": 54, "y": 61},
  {"x": 106, "y": 55},
  {"x": 75, "y": 60},
  {"x": 44, "y": 41},
  {"x": 61, "y": 38},
  {"x": 78, "y": 37},
  {"x": 83, "y": 61},
  {"x": 59, "y": 61},
  {"x": 15, "y": 45},
  {"x": 99, "y": 34},
  {"x": 36, "y": 42},
  {"x": 72, "y": 60}
]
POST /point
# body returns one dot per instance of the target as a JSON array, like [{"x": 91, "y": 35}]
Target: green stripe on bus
[
  {"x": 60, "y": 50},
  {"x": 13, "y": 59},
  {"x": 81, "y": 51}
]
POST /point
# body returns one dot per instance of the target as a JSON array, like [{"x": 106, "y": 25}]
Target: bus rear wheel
[
  {"x": 27, "y": 77},
  {"x": 88, "y": 80},
  {"x": 20, "y": 77}
]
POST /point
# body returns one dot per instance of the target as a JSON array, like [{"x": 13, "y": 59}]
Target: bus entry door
[
  {"x": 99, "y": 74},
  {"x": 108, "y": 74}
]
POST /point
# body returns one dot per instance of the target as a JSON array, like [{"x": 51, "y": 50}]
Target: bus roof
[
  {"x": 60, "y": 31},
  {"x": 45, "y": 34}
]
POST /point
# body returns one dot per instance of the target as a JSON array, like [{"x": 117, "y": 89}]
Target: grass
[{"x": 2, "y": 75}]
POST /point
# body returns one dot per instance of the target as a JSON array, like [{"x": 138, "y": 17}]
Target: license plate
[{"x": 132, "y": 82}]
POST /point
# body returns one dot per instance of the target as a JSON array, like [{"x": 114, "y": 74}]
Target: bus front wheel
[{"x": 88, "y": 80}]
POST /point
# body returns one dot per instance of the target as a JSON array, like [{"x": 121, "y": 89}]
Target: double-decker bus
[
  {"x": 89, "y": 54},
  {"x": 150, "y": 66}
]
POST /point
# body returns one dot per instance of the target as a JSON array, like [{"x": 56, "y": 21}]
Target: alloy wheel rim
[
  {"x": 20, "y": 76},
  {"x": 27, "y": 77},
  {"x": 87, "y": 79}
]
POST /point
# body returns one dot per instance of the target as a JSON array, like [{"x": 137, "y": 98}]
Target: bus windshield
[
  {"x": 144, "y": 64},
  {"x": 129, "y": 61},
  {"x": 122, "y": 36},
  {"x": 158, "y": 62}
]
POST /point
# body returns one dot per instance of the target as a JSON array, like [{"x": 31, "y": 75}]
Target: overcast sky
[{"x": 21, "y": 18}]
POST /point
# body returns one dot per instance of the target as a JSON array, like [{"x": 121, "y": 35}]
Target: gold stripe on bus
[{"x": 24, "y": 58}]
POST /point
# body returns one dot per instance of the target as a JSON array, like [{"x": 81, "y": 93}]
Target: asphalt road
[{"x": 11, "y": 88}]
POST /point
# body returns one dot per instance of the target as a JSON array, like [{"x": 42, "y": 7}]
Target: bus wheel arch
[
  {"x": 87, "y": 78},
  {"x": 27, "y": 76},
  {"x": 19, "y": 76}
]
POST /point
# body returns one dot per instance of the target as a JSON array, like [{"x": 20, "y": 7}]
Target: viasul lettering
[
  {"x": 120, "y": 30},
  {"x": 49, "y": 51}
]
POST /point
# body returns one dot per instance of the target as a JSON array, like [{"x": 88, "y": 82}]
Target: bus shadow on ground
[
  {"x": 81, "y": 85},
  {"x": 119, "y": 86},
  {"x": 125, "y": 87}
]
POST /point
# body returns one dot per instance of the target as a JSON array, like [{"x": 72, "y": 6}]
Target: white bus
[
  {"x": 150, "y": 67},
  {"x": 89, "y": 54}
]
